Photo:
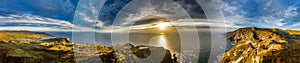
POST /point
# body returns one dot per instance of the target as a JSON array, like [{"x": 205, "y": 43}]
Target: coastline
[{"x": 42, "y": 47}]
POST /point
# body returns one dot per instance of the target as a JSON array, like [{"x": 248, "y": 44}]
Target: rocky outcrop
[
  {"x": 33, "y": 47},
  {"x": 261, "y": 45}
]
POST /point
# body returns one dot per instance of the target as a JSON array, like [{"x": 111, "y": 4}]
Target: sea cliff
[{"x": 262, "y": 45}]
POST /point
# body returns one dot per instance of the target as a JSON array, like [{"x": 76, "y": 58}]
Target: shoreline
[{"x": 41, "y": 47}]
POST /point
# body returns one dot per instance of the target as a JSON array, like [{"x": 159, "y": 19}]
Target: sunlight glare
[
  {"x": 162, "y": 41},
  {"x": 163, "y": 26}
]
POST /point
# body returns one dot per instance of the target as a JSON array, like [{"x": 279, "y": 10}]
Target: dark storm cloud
[
  {"x": 112, "y": 7},
  {"x": 192, "y": 7}
]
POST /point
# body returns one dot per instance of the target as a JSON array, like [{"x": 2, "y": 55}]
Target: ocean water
[{"x": 168, "y": 41}]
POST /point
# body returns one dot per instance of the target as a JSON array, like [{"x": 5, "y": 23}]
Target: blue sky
[
  {"x": 58, "y": 15},
  {"x": 263, "y": 13}
]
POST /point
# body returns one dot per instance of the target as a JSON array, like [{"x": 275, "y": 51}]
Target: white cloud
[
  {"x": 31, "y": 19},
  {"x": 271, "y": 21},
  {"x": 272, "y": 14},
  {"x": 294, "y": 26},
  {"x": 205, "y": 22},
  {"x": 27, "y": 22},
  {"x": 290, "y": 12},
  {"x": 88, "y": 12},
  {"x": 31, "y": 28},
  {"x": 228, "y": 9},
  {"x": 232, "y": 14},
  {"x": 141, "y": 13},
  {"x": 277, "y": 18}
]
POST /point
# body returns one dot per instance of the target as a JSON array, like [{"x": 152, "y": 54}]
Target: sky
[{"x": 103, "y": 16}]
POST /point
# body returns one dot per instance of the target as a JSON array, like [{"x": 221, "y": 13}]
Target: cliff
[
  {"x": 37, "y": 47},
  {"x": 262, "y": 45}
]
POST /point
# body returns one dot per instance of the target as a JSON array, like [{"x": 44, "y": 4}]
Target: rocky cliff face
[
  {"x": 31, "y": 47},
  {"x": 259, "y": 45}
]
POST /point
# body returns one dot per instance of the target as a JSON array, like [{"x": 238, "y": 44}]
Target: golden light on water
[
  {"x": 162, "y": 41},
  {"x": 159, "y": 41}
]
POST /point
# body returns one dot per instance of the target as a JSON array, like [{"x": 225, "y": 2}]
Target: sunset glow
[{"x": 163, "y": 26}]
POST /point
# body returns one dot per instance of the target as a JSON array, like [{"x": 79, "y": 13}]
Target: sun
[{"x": 163, "y": 26}]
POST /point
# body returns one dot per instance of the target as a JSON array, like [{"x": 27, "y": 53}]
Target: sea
[{"x": 171, "y": 42}]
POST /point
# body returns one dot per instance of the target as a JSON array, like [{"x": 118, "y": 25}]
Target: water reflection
[
  {"x": 167, "y": 41},
  {"x": 162, "y": 41},
  {"x": 158, "y": 41}
]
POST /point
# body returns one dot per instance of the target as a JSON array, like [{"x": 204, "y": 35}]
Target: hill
[{"x": 262, "y": 45}]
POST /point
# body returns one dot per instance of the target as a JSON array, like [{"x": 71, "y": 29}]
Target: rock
[
  {"x": 60, "y": 48},
  {"x": 56, "y": 41},
  {"x": 135, "y": 54},
  {"x": 262, "y": 45},
  {"x": 4, "y": 41}
]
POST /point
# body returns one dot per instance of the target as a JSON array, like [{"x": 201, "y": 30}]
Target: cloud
[
  {"x": 228, "y": 9},
  {"x": 204, "y": 23},
  {"x": 278, "y": 17},
  {"x": 110, "y": 9},
  {"x": 290, "y": 12},
  {"x": 31, "y": 19},
  {"x": 260, "y": 13},
  {"x": 137, "y": 13},
  {"x": 58, "y": 9},
  {"x": 34, "y": 22},
  {"x": 87, "y": 13},
  {"x": 137, "y": 10},
  {"x": 192, "y": 7},
  {"x": 142, "y": 12},
  {"x": 34, "y": 28},
  {"x": 186, "y": 24},
  {"x": 233, "y": 15}
]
